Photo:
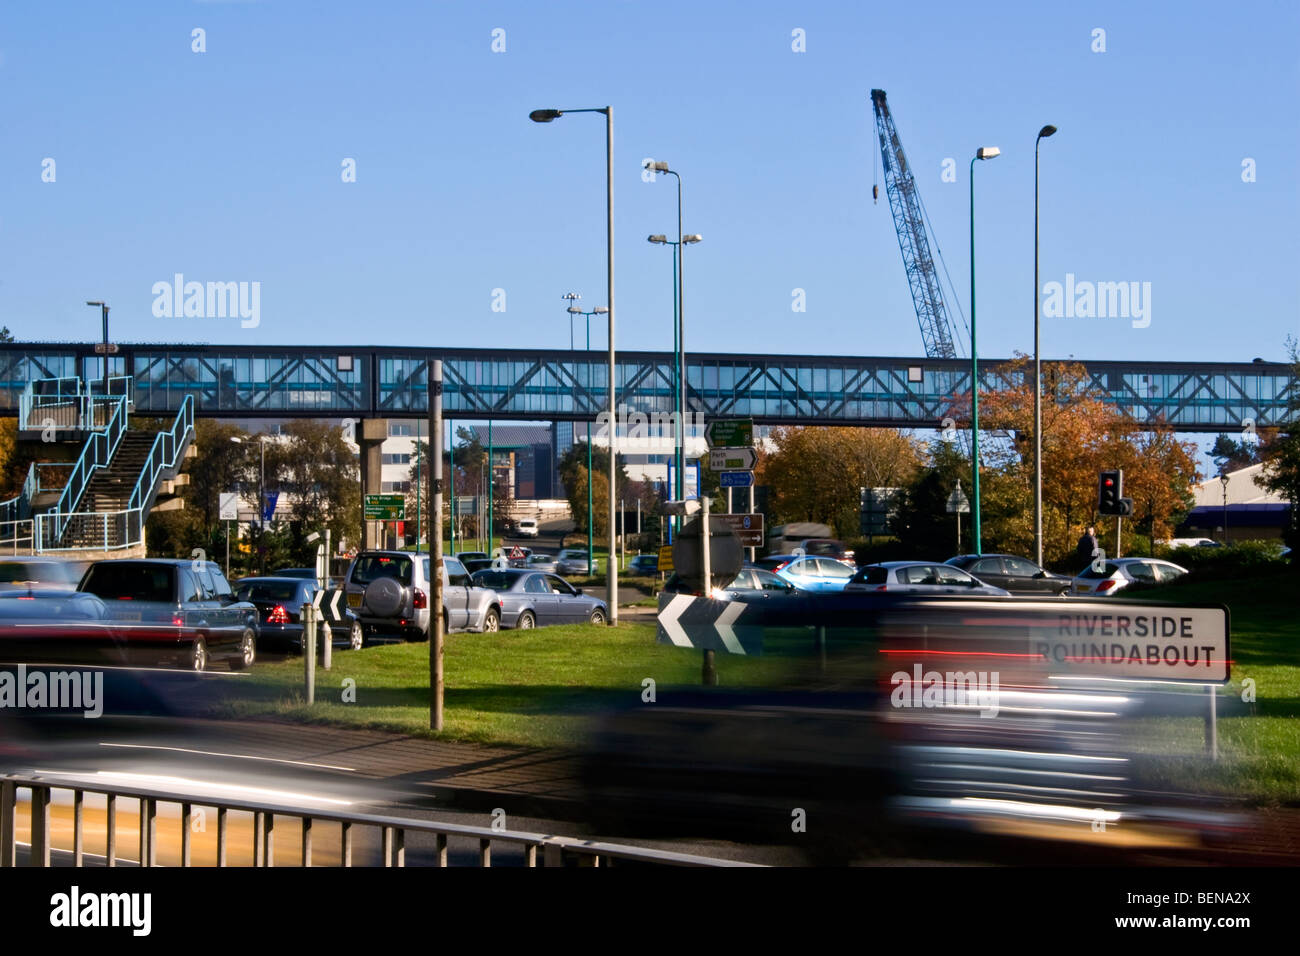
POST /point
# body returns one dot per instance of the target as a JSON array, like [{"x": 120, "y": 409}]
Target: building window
[
  {"x": 394, "y": 487},
  {"x": 396, "y": 458},
  {"x": 400, "y": 429}
]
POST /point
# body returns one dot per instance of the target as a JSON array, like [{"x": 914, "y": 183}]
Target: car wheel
[
  {"x": 356, "y": 637},
  {"x": 492, "y": 621},
  {"x": 597, "y": 616},
  {"x": 526, "y": 621},
  {"x": 247, "y": 651},
  {"x": 199, "y": 655}
]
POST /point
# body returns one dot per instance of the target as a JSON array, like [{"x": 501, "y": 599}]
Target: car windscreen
[
  {"x": 278, "y": 591},
  {"x": 45, "y": 572},
  {"x": 132, "y": 582},
  {"x": 372, "y": 567},
  {"x": 496, "y": 580}
]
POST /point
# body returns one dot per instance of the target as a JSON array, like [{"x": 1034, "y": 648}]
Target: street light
[
  {"x": 104, "y": 315},
  {"x": 598, "y": 310},
  {"x": 678, "y": 390},
  {"x": 572, "y": 297},
  {"x": 680, "y": 491},
  {"x": 1046, "y": 131},
  {"x": 547, "y": 116},
  {"x": 984, "y": 152},
  {"x": 1223, "y": 479}
]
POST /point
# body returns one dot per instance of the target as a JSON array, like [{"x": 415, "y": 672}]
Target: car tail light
[
  {"x": 278, "y": 616},
  {"x": 420, "y": 599},
  {"x": 1106, "y": 586},
  {"x": 781, "y": 565},
  {"x": 177, "y": 621},
  {"x": 882, "y": 587}
]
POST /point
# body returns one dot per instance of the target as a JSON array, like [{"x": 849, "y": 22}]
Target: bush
[{"x": 1244, "y": 559}]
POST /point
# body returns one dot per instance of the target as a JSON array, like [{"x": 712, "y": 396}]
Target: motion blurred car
[
  {"x": 920, "y": 577},
  {"x": 390, "y": 591},
  {"x": 42, "y": 572},
  {"x": 50, "y": 604},
  {"x": 1120, "y": 573},
  {"x": 279, "y": 602},
  {"x": 749, "y": 584},
  {"x": 463, "y": 556},
  {"x": 808, "y": 573},
  {"x": 194, "y": 597},
  {"x": 644, "y": 564},
  {"x": 476, "y": 564},
  {"x": 294, "y": 573},
  {"x": 531, "y": 599},
  {"x": 574, "y": 561},
  {"x": 1014, "y": 574},
  {"x": 527, "y": 528},
  {"x": 541, "y": 562},
  {"x": 828, "y": 548}
]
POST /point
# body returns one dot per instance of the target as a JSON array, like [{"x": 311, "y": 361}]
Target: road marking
[{"x": 213, "y": 753}]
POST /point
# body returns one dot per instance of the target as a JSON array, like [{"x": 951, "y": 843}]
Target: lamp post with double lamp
[
  {"x": 261, "y": 500},
  {"x": 103, "y": 312},
  {"x": 681, "y": 333},
  {"x": 547, "y": 116},
  {"x": 598, "y": 310},
  {"x": 984, "y": 152},
  {"x": 1046, "y": 131},
  {"x": 679, "y": 392}
]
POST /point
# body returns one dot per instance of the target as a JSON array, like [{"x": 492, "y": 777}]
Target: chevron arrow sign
[{"x": 688, "y": 621}]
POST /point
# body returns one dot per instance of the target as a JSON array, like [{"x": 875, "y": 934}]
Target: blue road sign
[
  {"x": 736, "y": 479},
  {"x": 269, "y": 511}
]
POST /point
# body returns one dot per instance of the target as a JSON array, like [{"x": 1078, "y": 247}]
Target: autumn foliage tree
[{"x": 817, "y": 473}]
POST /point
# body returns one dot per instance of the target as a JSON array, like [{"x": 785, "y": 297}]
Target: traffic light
[{"x": 1109, "y": 489}]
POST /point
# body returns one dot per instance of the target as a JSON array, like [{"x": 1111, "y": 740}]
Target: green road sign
[
  {"x": 385, "y": 508},
  {"x": 732, "y": 433}
]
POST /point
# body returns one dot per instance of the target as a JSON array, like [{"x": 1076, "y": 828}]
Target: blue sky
[{"x": 225, "y": 166}]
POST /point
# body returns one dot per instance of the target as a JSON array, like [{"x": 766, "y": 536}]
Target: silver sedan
[
  {"x": 533, "y": 599},
  {"x": 919, "y": 577}
]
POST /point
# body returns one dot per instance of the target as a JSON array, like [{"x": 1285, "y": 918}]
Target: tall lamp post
[
  {"x": 598, "y": 310},
  {"x": 681, "y": 333},
  {"x": 103, "y": 311},
  {"x": 1038, "y": 373},
  {"x": 547, "y": 116},
  {"x": 984, "y": 152}
]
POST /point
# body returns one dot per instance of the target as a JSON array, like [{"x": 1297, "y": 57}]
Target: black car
[
  {"x": 279, "y": 602},
  {"x": 1011, "y": 573},
  {"x": 191, "y": 600}
]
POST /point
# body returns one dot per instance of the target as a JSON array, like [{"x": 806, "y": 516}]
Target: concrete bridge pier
[{"x": 374, "y": 431}]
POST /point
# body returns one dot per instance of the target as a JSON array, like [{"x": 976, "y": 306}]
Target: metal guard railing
[
  {"x": 392, "y": 830},
  {"x": 97, "y": 453},
  {"x": 70, "y": 392},
  {"x": 163, "y": 454},
  {"x": 86, "y": 530}
]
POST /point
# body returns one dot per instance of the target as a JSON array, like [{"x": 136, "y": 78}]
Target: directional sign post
[
  {"x": 688, "y": 621},
  {"x": 735, "y": 433},
  {"x": 958, "y": 504},
  {"x": 748, "y": 528},
  {"x": 736, "y": 479},
  {"x": 385, "y": 508},
  {"x": 111, "y": 348},
  {"x": 732, "y": 459}
]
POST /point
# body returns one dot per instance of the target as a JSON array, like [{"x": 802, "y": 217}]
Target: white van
[{"x": 527, "y": 528}]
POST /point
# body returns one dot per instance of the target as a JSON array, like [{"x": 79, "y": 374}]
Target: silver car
[
  {"x": 574, "y": 561},
  {"x": 391, "y": 591},
  {"x": 1100, "y": 580},
  {"x": 530, "y": 599},
  {"x": 919, "y": 577},
  {"x": 542, "y": 562}
]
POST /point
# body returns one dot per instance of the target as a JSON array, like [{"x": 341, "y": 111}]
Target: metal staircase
[{"x": 107, "y": 495}]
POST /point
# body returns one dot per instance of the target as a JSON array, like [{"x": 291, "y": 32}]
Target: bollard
[
  {"x": 309, "y": 649},
  {"x": 1212, "y": 725}
]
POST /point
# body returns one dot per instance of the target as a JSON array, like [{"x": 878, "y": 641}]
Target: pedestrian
[{"x": 1087, "y": 546}]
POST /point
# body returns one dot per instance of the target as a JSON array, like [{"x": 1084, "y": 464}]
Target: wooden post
[{"x": 435, "y": 548}]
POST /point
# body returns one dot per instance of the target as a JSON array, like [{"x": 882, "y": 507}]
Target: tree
[
  {"x": 320, "y": 473},
  {"x": 817, "y": 473},
  {"x": 1232, "y": 455},
  {"x": 573, "y": 475},
  {"x": 1281, "y": 472},
  {"x": 5, "y": 335},
  {"x": 921, "y": 520}
]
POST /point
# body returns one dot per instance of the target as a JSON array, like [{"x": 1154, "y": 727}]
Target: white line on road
[{"x": 213, "y": 753}]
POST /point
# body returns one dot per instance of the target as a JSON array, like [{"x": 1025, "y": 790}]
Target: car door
[
  {"x": 569, "y": 604},
  {"x": 1025, "y": 576},
  {"x": 456, "y": 593},
  {"x": 833, "y": 574},
  {"x": 990, "y": 570}
]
